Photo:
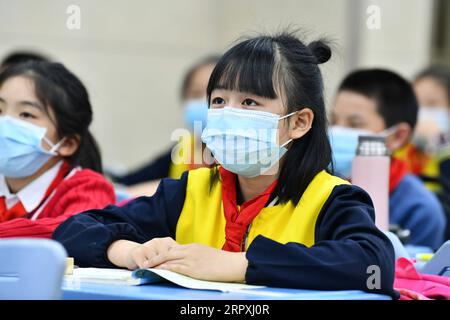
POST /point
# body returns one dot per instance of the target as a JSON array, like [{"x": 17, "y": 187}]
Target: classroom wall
[
  {"x": 403, "y": 41},
  {"x": 132, "y": 54}
]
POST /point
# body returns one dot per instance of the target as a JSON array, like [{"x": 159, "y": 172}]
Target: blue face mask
[
  {"x": 195, "y": 110},
  {"x": 244, "y": 141},
  {"x": 21, "y": 151},
  {"x": 344, "y": 142}
]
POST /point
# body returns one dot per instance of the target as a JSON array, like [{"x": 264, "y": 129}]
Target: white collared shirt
[{"x": 33, "y": 194}]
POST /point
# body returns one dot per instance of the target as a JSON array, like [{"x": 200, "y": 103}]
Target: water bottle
[{"x": 370, "y": 171}]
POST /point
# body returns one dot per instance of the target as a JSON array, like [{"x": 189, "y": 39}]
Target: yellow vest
[
  {"x": 202, "y": 218},
  {"x": 182, "y": 158},
  {"x": 429, "y": 163}
]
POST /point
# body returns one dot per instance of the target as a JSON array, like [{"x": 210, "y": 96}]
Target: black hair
[
  {"x": 18, "y": 57},
  {"x": 394, "y": 95},
  {"x": 283, "y": 66},
  {"x": 187, "y": 79},
  {"x": 59, "y": 89},
  {"x": 439, "y": 73}
]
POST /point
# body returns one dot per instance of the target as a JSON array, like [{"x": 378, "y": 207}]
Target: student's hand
[
  {"x": 133, "y": 255},
  {"x": 151, "y": 253},
  {"x": 203, "y": 262},
  {"x": 194, "y": 260}
]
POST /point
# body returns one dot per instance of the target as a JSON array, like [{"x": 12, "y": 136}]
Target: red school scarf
[
  {"x": 398, "y": 170},
  {"x": 19, "y": 211},
  {"x": 238, "y": 219},
  {"x": 16, "y": 211},
  {"x": 415, "y": 159}
]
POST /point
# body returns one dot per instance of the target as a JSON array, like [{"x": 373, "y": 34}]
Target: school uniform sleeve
[
  {"x": 88, "y": 235},
  {"x": 86, "y": 190},
  {"x": 414, "y": 207},
  {"x": 347, "y": 242},
  {"x": 444, "y": 170}
]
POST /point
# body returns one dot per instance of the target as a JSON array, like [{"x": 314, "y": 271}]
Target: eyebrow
[
  {"x": 242, "y": 93},
  {"x": 27, "y": 103},
  {"x": 31, "y": 104},
  {"x": 220, "y": 87},
  {"x": 355, "y": 117}
]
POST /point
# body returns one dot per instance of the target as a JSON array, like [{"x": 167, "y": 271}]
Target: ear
[
  {"x": 400, "y": 137},
  {"x": 300, "y": 123},
  {"x": 69, "y": 146}
]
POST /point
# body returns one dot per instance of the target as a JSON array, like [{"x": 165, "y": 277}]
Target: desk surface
[{"x": 167, "y": 291}]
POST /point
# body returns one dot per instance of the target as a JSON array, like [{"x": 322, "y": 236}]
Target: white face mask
[
  {"x": 432, "y": 124},
  {"x": 438, "y": 115},
  {"x": 244, "y": 141}
]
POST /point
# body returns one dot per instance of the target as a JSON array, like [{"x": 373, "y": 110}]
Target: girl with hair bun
[{"x": 268, "y": 212}]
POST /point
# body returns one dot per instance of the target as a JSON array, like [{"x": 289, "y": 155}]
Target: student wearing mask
[
  {"x": 268, "y": 212},
  {"x": 432, "y": 136},
  {"x": 432, "y": 87},
  {"x": 376, "y": 101},
  {"x": 50, "y": 165},
  {"x": 178, "y": 159}
]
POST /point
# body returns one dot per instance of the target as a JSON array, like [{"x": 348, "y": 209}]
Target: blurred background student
[
  {"x": 50, "y": 164},
  {"x": 377, "y": 101},
  {"x": 432, "y": 87},
  {"x": 145, "y": 180},
  {"x": 432, "y": 136}
]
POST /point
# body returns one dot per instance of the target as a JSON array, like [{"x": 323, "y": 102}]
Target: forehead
[
  {"x": 429, "y": 91},
  {"x": 349, "y": 103},
  {"x": 429, "y": 85},
  {"x": 18, "y": 88}
]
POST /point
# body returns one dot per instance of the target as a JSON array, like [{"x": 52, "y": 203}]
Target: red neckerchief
[
  {"x": 398, "y": 170},
  {"x": 238, "y": 220},
  {"x": 417, "y": 158},
  {"x": 19, "y": 211}
]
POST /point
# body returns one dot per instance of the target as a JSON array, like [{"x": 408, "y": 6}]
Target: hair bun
[{"x": 320, "y": 50}]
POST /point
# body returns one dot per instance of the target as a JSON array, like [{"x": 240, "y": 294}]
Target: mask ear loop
[
  {"x": 286, "y": 143},
  {"x": 287, "y": 116},
  {"x": 54, "y": 147},
  {"x": 284, "y": 117},
  {"x": 388, "y": 132}
]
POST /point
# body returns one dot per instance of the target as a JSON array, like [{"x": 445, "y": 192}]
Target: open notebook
[{"x": 145, "y": 276}]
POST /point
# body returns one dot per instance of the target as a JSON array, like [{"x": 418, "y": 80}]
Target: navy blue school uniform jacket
[{"x": 327, "y": 241}]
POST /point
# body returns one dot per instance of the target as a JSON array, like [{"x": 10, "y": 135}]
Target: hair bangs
[{"x": 248, "y": 67}]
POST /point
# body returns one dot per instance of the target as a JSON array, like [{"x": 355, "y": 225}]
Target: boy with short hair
[{"x": 376, "y": 101}]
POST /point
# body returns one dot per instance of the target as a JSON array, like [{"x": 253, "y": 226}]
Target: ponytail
[{"x": 88, "y": 154}]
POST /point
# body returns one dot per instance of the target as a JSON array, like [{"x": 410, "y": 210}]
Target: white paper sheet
[{"x": 144, "y": 276}]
